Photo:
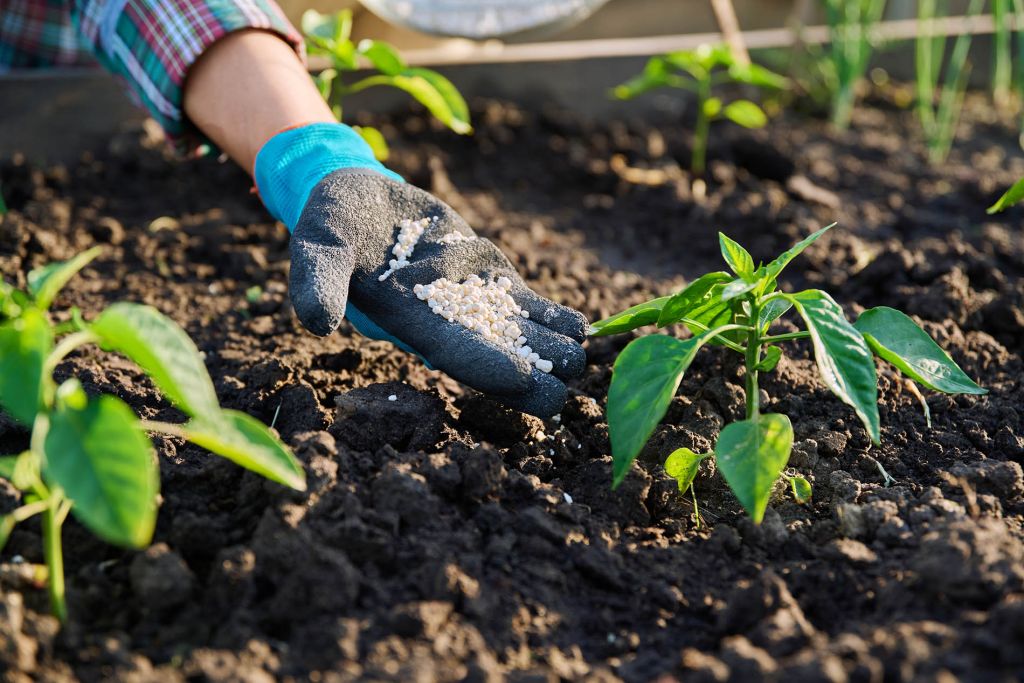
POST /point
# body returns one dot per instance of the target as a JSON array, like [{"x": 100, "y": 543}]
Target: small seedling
[
  {"x": 329, "y": 35},
  {"x": 89, "y": 455},
  {"x": 699, "y": 71},
  {"x": 736, "y": 311},
  {"x": 850, "y": 29},
  {"x": 1010, "y": 198},
  {"x": 939, "y": 105}
]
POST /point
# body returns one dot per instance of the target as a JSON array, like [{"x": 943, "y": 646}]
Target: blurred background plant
[{"x": 329, "y": 35}]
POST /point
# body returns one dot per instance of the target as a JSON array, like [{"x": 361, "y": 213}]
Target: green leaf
[
  {"x": 383, "y": 56},
  {"x": 330, "y": 27},
  {"x": 45, "y": 283},
  {"x": 633, "y": 317},
  {"x": 896, "y": 338},
  {"x": 375, "y": 140},
  {"x": 712, "y": 312},
  {"x": 757, "y": 75},
  {"x": 736, "y": 257},
  {"x": 25, "y": 342},
  {"x": 771, "y": 311},
  {"x": 698, "y": 292},
  {"x": 802, "y": 491},
  {"x": 772, "y": 355},
  {"x": 438, "y": 95},
  {"x": 644, "y": 380},
  {"x": 738, "y": 288},
  {"x": 325, "y": 82},
  {"x": 772, "y": 270},
  {"x": 843, "y": 357},
  {"x": 101, "y": 457},
  {"x": 246, "y": 441},
  {"x": 745, "y": 113},
  {"x": 682, "y": 465},
  {"x": 751, "y": 455},
  {"x": 1009, "y": 198},
  {"x": 712, "y": 107},
  {"x": 163, "y": 350},
  {"x": 7, "y": 523}
]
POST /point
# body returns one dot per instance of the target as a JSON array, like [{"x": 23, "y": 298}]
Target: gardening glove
[{"x": 344, "y": 210}]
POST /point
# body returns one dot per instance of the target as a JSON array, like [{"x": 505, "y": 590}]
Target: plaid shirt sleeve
[{"x": 149, "y": 44}]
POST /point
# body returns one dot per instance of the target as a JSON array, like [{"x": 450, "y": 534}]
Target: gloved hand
[{"x": 344, "y": 210}]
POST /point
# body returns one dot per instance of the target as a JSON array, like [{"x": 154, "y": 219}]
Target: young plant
[
  {"x": 699, "y": 71},
  {"x": 329, "y": 36},
  {"x": 89, "y": 455},
  {"x": 939, "y": 118},
  {"x": 1010, "y": 198},
  {"x": 850, "y": 25},
  {"x": 736, "y": 311}
]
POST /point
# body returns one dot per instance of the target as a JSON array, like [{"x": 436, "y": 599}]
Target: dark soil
[{"x": 445, "y": 538}]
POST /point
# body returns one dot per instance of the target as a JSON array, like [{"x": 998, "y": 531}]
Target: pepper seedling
[
  {"x": 736, "y": 311},
  {"x": 699, "y": 71},
  {"x": 90, "y": 456},
  {"x": 329, "y": 35}
]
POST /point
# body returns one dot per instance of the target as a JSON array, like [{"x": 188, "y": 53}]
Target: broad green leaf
[
  {"x": 802, "y": 491},
  {"x": 772, "y": 355},
  {"x": 745, "y": 113},
  {"x": 772, "y": 270},
  {"x": 375, "y": 140},
  {"x": 7, "y": 523},
  {"x": 163, "y": 350},
  {"x": 25, "y": 342},
  {"x": 712, "y": 107},
  {"x": 738, "y": 288},
  {"x": 843, "y": 357},
  {"x": 896, "y": 338},
  {"x": 633, "y": 317},
  {"x": 383, "y": 56},
  {"x": 736, "y": 257},
  {"x": 46, "y": 282},
  {"x": 442, "y": 98},
  {"x": 751, "y": 455},
  {"x": 772, "y": 311},
  {"x": 699, "y": 291},
  {"x": 1009, "y": 198},
  {"x": 103, "y": 460},
  {"x": 246, "y": 441},
  {"x": 712, "y": 312},
  {"x": 335, "y": 27},
  {"x": 754, "y": 74},
  {"x": 644, "y": 380},
  {"x": 682, "y": 465},
  {"x": 656, "y": 74}
]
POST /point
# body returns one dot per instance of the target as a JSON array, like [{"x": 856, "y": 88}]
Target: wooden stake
[{"x": 730, "y": 25}]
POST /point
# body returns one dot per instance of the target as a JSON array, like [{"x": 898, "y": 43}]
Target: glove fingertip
[
  {"x": 318, "y": 317},
  {"x": 546, "y": 397}
]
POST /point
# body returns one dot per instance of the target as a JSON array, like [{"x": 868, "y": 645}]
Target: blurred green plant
[
  {"x": 1010, "y": 198},
  {"x": 329, "y": 35},
  {"x": 90, "y": 456},
  {"x": 850, "y": 28},
  {"x": 699, "y": 71},
  {"x": 939, "y": 103}
]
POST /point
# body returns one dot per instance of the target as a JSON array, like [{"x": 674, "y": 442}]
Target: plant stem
[
  {"x": 698, "y": 161},
  {"x": 753, "y": 357},
  {"x": 725, "y": 342},
  {"x": 54, "y": 559},
  {"x": 803, "y": 334},
  {"x": 66, "y": 346}
]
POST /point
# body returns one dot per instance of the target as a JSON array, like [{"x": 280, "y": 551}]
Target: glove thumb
[{"x": 318, "y": 284}]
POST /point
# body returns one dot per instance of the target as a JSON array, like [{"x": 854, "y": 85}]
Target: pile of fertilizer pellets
[
  {"x": 484, "y": 307},
  {"x": 409, "y": 233}
]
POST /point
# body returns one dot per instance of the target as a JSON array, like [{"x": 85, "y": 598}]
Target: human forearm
[{"x": 247, "y": 87}]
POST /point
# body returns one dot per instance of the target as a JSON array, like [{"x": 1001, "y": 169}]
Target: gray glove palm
[{"x": 342, "y": 245}]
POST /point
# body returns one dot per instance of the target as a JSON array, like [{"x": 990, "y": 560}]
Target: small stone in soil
[{"x": 392, "y": 397}]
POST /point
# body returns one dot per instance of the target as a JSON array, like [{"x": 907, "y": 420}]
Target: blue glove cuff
[{"x": 290, "y": 164}]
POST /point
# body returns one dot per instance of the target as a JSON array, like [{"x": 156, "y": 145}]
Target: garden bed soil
[{"x": 446, "y": 538}]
